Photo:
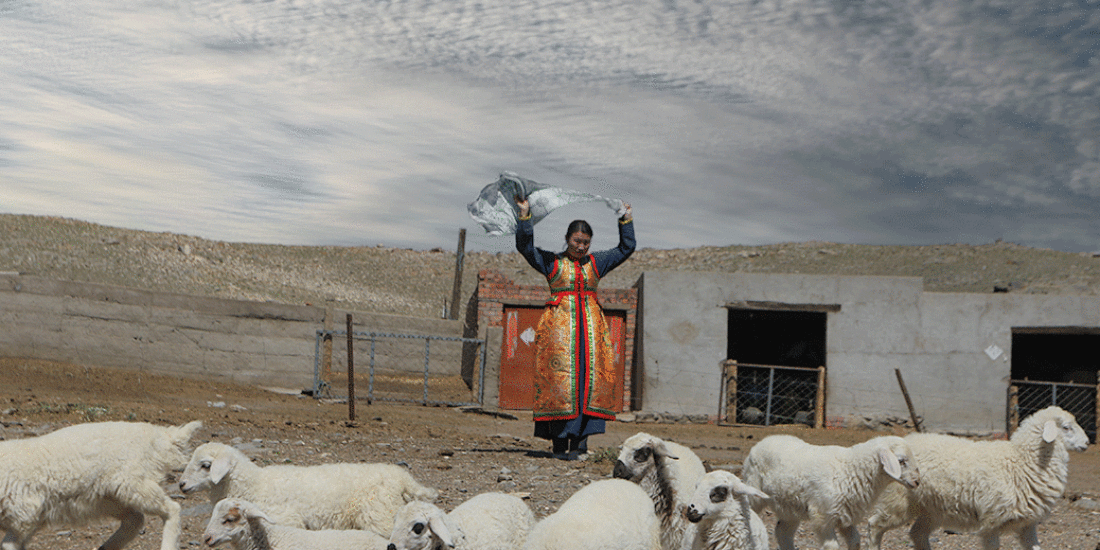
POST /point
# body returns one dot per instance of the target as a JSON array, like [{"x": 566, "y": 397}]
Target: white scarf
[{"x": 495, "y": 208}]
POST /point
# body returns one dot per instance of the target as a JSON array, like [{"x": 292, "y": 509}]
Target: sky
[{"x": 314, "y": 122}]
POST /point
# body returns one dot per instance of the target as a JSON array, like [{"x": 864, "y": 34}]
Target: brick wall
[{"x": 495, "y": 291}]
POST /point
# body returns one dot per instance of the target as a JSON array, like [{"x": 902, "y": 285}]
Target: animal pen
[{"x": 407, "y": 368}]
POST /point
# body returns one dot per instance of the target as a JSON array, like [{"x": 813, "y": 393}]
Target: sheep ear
[
  {"x": 218, "y": 468},
  {"x": 742, "y": 488},
  {"x": 439, "y": 527},
  {"x": 252, "y": 512},
  {"x": 890, "y": 463},
  {"x": 1050, "y": 431},
  {"x": 660, "y": 448}
]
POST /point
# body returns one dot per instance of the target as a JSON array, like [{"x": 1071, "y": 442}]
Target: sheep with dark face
[
  {"x": 668, "y": 472},
  {"x": 725, "y": 518}
]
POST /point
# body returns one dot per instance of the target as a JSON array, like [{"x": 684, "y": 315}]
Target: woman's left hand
[{"x": 628, "y": 213}]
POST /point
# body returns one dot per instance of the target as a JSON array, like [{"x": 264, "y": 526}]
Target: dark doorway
[
  {"x": 1055, "y": 366},
  {"x": 787, "y": 338},
  {"x": 779, "y": 354},
  {"x": 1072, "y": 355}
]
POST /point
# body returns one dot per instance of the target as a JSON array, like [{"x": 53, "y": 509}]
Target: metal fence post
[
  {"x": 771, "y": 394},
  {"x": 819, "y": 399},
  {"x": 427, "y": 355},
  {"x": 1013, "y": 409},
  {"x": 351, "y": 373}
]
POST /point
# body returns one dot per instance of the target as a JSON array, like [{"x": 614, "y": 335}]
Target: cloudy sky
[{"x": 748, "y": 122}]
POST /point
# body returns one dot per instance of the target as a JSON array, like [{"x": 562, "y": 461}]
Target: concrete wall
[
  {"x": 937, "y": 340},
  {"x": 252, "y": 342}
]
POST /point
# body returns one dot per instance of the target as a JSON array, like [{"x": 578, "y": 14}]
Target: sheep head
[
  {"x": 418, "y": 526},
  {"x": 230, "y": 521},
  {"x": 715, "y": 492},
  {"x": 896, "y": 460},
  {"x": 209, "y": 464},
  {"x": 638, "y": 456}
]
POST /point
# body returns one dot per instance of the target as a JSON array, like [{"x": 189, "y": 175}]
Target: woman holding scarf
[{"x": 574, "y": 371}]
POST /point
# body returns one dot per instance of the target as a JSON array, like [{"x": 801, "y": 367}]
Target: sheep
[
  {"x": 92, "y": 471},
  {"x": 835, "y": 487},
  {"x": 489, "y": 521},
  {"x": 329, "y": 496},
  {"x": 607, "y": 514},
  {"x": 246, "y": 527},
  {"x": 726, "y": 520},
  {"x": 990, "y": 487},
  {"x": 667, "y": 471}
]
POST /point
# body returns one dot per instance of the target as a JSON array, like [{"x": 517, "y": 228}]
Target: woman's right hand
[{"x": 524, "y": 206}]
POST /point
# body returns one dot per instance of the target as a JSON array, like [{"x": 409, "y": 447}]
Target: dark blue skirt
[{"x": 581, "y": 426}]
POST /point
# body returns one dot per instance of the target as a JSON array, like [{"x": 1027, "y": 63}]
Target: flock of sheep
[{"x": 660, "y": 496}]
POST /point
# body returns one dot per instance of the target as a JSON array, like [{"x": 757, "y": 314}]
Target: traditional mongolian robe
[{"x": 574, "y": 371}]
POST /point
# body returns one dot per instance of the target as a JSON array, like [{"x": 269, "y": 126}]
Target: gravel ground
[{"x": 459, "y": 453}]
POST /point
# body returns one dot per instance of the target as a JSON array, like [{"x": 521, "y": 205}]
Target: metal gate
[
  {"x": 766, "y": 395},
  {"x": 1025, "y": 397},
  {"x": 409, "y": 368}
]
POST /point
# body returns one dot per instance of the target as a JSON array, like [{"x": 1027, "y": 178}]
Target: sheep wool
[
  {"x": 720, "y": 506},
  {"x": 609, "y": 514},
  {"x": 92, "y": 471},
  {"x": 988, "y": 487},
  {"x": 327, "y": 496},
  {"x": 489, "y": 521},
  {"x": 668, "y": 472},
  {"x": 246, "y": 527},
  {"x": 835, "y": 487}
]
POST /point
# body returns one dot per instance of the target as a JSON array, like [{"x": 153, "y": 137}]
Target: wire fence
[
  {"x": 407, "y": 368},
  {"x": 1026, "y": 397},
  {"x": 765, "y": 395}
]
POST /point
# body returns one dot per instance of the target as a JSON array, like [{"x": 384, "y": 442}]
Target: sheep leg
[
  {"x": 784, "y": 533},
  {"x": 991, "y": 541},
  {"x": 132, "y": 520},
  {"x": 919, "y": 533},
  {"x": 851, "y": 536},
  {"x": 1029, "y": 538},
  {"x": 148, "y": 498},
  {"x": 12, "y": 542}
]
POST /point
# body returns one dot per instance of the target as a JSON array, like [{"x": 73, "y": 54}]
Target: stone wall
[{"x": 177, "y": 334}]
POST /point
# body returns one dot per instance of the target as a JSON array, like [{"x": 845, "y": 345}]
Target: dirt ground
[{"x": 459, "y": 453}]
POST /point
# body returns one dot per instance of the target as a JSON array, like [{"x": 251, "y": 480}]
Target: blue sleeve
[
  {"x": 541, "y": 260},
  {"x": 606, "y": 260}
]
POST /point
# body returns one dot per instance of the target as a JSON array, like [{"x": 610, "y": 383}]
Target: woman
[{"x": 574, "y": 370}]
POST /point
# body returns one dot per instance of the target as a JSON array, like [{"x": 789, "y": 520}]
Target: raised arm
[
  {"x": 606, "y": 260},
  {"x": 541, "y": 260}
]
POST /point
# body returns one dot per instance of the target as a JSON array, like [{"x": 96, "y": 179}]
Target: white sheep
[
  {"x": 608, "y": 514},
  {"x": 667, "y": 471},
  {"x": 328, "y": 496},
  {"x": 832, "y": 486},
  {"x": 242, "y": 524},
  {"x": 92, "y": 471},
  {"x": 720, "y": 506},
  {"x": 489, "y": 521},
  {"x": 990, "y": 487}
]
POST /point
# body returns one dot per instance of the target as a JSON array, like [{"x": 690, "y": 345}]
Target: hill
[{"x": 420, "y": 282}]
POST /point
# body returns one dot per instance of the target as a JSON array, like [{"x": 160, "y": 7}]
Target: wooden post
[
  {"x": 1013, "y": 409},
  {"x": 1096, "y": 422},
  {"x": 460, "y": 254},
  {"x": 351, "y": 373},
  {"x": 819, "y": 401},
  {"x": 326, "y": 344},
  {"x": 908, "y": 402},
  {"x": 729, "y": 375}
]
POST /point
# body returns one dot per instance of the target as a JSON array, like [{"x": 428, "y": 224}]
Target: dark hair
[{"x": 578, "y": 226}]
